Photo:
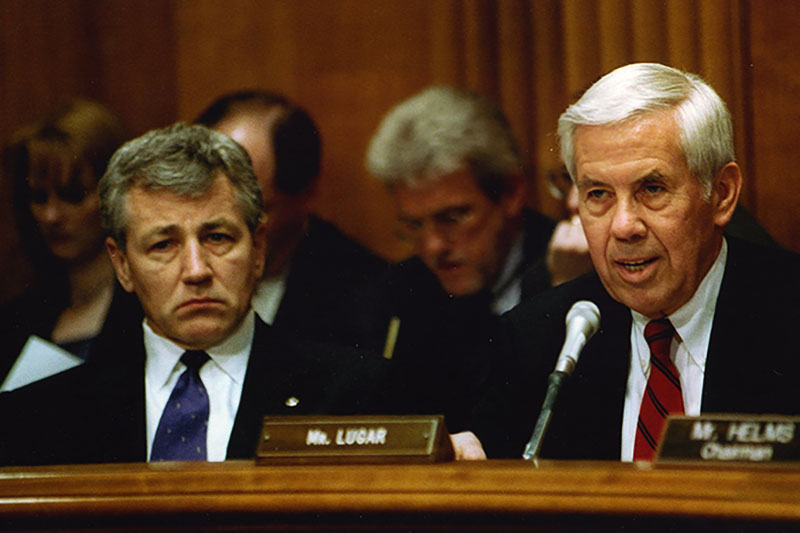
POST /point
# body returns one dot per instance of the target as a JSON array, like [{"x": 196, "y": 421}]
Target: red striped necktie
[{"x": 663, "y": 395}]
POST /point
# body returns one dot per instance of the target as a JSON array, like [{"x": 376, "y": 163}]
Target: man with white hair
[
  {"x": 451, "y": 164},
  {"x": 689, "y": 322}
]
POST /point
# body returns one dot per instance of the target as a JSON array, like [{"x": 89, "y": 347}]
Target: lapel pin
[{"x": 291, "y": 401}]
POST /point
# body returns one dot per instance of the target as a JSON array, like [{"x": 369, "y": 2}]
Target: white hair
[
  {"x": 439, "y": 131},
  {"x": 629, "y": 92}
]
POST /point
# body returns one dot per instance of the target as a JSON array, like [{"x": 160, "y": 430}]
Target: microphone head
[
  {"x": 583, "y": 321},
  {"x": 590, "y": 315}
]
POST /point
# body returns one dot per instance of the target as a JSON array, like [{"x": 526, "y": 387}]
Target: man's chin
[
  {"x": 202, "y": 334},
  {"x": 460, "y": 287}
]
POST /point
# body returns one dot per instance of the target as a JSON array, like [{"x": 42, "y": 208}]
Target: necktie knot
[
  {"x": 194, "y": 359},
  {"x": 658, "y": 334}
]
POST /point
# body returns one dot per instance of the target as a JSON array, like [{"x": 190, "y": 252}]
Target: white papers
[{"x": 39, "y": 359}]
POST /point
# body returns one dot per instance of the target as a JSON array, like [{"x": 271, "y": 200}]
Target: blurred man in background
[
  {"x": 450, "y": 162},
  {"x": 310, "y": 264}
]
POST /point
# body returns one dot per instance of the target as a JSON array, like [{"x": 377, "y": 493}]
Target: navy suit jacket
[
  {"x": 752, "y": 365},
  {"x": 95, "y": 413}
]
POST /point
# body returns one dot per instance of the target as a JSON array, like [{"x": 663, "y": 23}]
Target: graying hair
[
  {"x": 440, "y": 131},
  {"x": 183, "y": 159},
  {"x": 638, "y": 89}
]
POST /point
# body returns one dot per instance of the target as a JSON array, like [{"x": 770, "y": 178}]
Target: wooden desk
[{"x": 479, "y": 496}]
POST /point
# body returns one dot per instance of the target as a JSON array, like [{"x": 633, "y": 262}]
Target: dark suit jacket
[
  {"x": 438, "y": 363},
  {"x": 326, "y": 267},
  {"x": 96, "y": 412},
  {"x": 752, "y": 366}
]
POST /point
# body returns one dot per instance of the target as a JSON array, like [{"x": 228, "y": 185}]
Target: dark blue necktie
[{"x": 181, "y": 433}]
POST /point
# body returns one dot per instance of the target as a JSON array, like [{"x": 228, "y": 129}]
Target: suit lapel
[
  {"x": 270, "y": 387},
  {"x": 733, "y": 383},
  {"x": 258, "y": 386}
]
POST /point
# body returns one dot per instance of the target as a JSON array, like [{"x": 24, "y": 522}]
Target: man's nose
[
  {"x": 627, "y": 223},
  {"x": 431, "y": 240},
  {"x": 196, "y": 268}
]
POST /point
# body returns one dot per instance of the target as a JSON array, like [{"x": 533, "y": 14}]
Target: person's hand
[
  {"x": 568, "y": 251},
  {"x": 467, "y": 446}
]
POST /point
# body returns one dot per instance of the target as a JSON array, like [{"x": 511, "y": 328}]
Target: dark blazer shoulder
[
  {"x": 328, "y": 252},
  {"x": 753, "y": 364},
  {"x": 325, "y": 271}
]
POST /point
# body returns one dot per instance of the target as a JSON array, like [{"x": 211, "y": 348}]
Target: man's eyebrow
[
  {"x": 583, "y": 182},
  {"x": 653, "y": 175},
  {"x": 217, "y": 223},
  {"x": 156, "y": 231}
]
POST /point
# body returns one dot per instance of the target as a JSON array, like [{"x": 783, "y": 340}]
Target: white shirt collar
[
  {"x": 693, "y": 320},
  {"x": 507, "y": 291},
  {"x": 231, "y": 356}
]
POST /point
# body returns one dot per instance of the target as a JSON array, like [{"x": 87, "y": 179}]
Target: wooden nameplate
[
  {"x": 730, "y": 438},
  {"x": 353, "y": 439}
]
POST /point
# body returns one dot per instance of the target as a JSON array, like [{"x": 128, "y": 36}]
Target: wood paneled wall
[{"x": 349, "y": 61}]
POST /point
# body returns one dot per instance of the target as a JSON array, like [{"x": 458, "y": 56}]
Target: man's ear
[
  {"x": 725, "y": 191},
  {"x": 120, "y": 263}
]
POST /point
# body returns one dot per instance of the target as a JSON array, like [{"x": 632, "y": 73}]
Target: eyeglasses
[
  {"x": 450, "y": 224},
  {"x": 559, "y": 183}
]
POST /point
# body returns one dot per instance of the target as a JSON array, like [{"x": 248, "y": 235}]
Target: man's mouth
[
  {"x": 635, "y": 266},
  {"x": 447, "y": 266},
  {"x": 199, "y": 303}
]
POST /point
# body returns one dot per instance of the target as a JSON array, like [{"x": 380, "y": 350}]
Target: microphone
[{"x": 583, "y": 321}]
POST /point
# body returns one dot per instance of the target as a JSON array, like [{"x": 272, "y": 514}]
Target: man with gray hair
[
  {"x": 192, "y": 381},
  {"x": 452, "y": 166},
  {"x": 689, "y": 324}
]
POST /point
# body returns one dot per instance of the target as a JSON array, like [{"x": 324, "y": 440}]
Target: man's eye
[
  {"x": 450, "y": 219},
  {"x": 219, "y": 237},
  {"x": 453, "y": 216},
  {"x": 653, "y": 188},
  {"x": 160, "y": 245},
  {"x": 596, "y": 194}
]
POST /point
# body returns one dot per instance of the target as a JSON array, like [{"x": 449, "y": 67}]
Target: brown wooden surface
[{"x": 489, "y": 495}]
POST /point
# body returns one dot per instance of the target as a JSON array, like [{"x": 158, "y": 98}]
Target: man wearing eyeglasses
[{"x": 451, "y": 164}]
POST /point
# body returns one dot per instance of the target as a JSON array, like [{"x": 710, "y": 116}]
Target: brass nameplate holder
[
  {"x": 751, "y": 439},
  {"x": 353, "y": 439}
]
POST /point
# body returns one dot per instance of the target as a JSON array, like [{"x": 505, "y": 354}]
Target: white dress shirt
[
  {"x": 223, "y": 376},
  {"x": 692, "y": 323},
  {"x": 507, "y": 291}
]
